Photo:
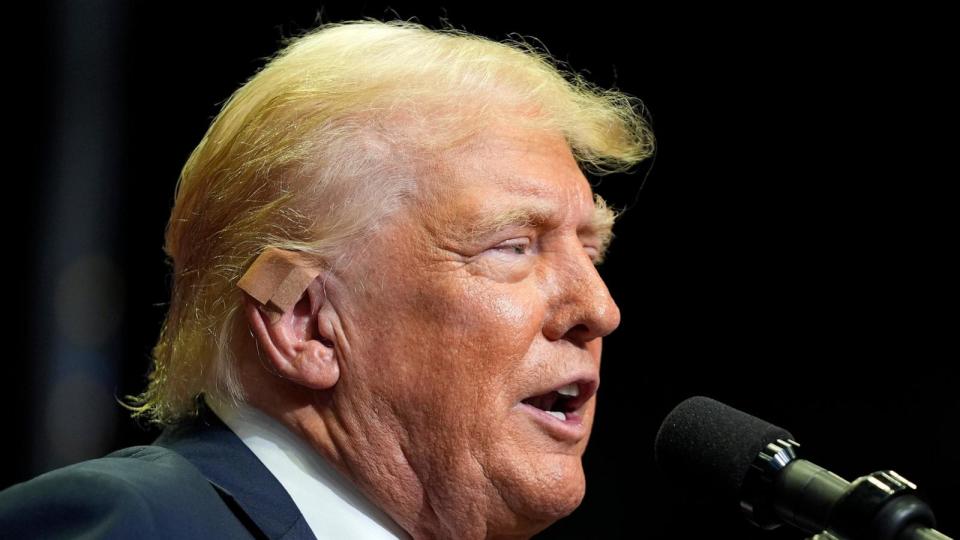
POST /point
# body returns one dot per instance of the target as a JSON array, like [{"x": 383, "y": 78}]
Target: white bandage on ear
[{"x": 277, "y": 279}]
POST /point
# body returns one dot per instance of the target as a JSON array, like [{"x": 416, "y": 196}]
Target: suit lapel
[{"x": 244, "y": 483}]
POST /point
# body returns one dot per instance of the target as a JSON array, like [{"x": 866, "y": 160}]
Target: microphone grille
[{"x": 709, "y": 446}]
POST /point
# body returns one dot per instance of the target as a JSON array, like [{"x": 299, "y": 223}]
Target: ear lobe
[{"x": 282, "y": 304}]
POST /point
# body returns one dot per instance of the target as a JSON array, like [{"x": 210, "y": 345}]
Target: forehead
[{"x": 509, "y": 167}]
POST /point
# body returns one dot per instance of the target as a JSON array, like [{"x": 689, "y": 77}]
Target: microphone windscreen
[{"x": 708, "y": 447}]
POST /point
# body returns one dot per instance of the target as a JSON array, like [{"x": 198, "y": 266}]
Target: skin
[{"x": 405, "y": 369}]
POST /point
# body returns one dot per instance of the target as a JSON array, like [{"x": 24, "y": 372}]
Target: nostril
[{"x": 579, "y": 329}]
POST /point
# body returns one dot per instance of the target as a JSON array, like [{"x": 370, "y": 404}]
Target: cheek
[
  {"x": 439, "y": 342},
  {"x": 512, "y": 312},
  {"x": 500, "y": 326},
  {"x": 472, "y": 345}
]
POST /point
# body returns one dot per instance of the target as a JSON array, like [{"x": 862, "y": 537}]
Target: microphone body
[{"x": 751, "y": 462}]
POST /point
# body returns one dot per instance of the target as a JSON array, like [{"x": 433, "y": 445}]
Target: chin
[
  {"x": 555, "y": 494},
  {"x": 538, "y": 483},
  {"x": 563, "y": 502},
  {"x": 544, "y": 512}
]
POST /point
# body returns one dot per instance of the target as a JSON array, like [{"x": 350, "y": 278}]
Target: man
[{"x": 386, "y": 319}]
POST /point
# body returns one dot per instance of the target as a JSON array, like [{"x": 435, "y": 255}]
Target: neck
[{"x": 375, "y": 463}]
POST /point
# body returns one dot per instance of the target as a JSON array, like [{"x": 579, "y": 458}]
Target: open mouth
[{"x": 564, "y": 402}]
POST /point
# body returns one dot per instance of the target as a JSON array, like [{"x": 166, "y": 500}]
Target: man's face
[{"x": 479, "y": 296}]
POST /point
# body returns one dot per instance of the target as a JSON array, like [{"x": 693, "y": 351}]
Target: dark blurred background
[{"x": 788, "y": 253}]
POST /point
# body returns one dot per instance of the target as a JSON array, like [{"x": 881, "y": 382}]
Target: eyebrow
[
  {"x": 602, "y": 225},
  {"x": 536, "y": 216}
]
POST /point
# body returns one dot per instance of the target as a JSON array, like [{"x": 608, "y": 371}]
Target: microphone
[{"x": 712, "y": 448}]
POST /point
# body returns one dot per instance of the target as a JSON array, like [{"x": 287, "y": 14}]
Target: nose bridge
[{"x": 582, "y": 305}]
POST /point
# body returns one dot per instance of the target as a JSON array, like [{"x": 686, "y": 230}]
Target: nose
[{"x": 582, "y": 308}]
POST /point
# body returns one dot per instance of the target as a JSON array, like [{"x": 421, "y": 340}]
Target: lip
[
  {"x": 572, "y": 429},
  {"x": 588, "y": 384}
]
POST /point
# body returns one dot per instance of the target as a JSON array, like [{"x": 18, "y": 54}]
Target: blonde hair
[{"x": 304, "y": 157}]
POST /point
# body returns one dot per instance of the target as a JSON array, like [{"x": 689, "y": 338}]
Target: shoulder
[{"x": 147, "y": 490}]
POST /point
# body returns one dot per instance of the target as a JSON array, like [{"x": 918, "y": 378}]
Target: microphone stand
[{"x": 780, "y": 488}]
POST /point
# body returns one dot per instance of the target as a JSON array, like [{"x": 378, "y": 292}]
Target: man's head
[{"x": 432, "y": 183}]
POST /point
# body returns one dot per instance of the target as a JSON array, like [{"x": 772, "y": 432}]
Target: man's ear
[{"x": 285, "y": 305}]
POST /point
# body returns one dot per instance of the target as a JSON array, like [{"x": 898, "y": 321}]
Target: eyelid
[
  {"x": 592, "y": 251},
  {"x": 523, "y": 242}
]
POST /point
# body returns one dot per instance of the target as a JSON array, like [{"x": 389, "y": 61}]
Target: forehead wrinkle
[{"x": 521, "y": 186}]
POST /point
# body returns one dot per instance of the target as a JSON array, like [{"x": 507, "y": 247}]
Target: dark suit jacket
[{"x": 197, "y": 480}]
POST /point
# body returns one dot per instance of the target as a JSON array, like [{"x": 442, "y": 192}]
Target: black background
[{"x": 788, "y": 254}]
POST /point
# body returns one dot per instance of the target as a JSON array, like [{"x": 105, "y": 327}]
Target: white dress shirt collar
[{"x": 332, "y": 506}]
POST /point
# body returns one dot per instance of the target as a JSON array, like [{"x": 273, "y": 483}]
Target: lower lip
[{"x": 571, "y": 429}]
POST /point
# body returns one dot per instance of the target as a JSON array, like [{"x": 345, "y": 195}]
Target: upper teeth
[{"x": 570, "y": 390}]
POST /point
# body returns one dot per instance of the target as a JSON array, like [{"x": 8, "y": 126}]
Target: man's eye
[
  {"x": 593, "y": 253},
  {"x": 515, "y": 247}
]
